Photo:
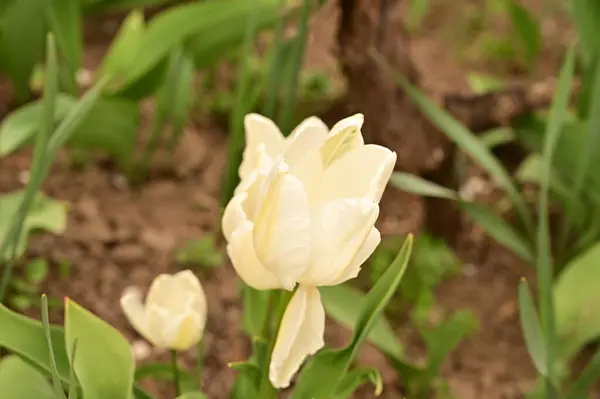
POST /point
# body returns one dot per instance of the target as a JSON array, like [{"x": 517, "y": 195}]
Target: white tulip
[
  {"x": 174, "y": 314},
  {"x": 305, "y": 215}
]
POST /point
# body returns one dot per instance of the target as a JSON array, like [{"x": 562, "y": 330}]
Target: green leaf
[
  {"x": 111, "y": 125},
  {"x": 526, "y": 28},
  {"x": 20, "y": 126},
  {"x": 25, "y": 337},
  {"x": 465, "y": 140},
  {"x": 356, "y": 378},
  {"x": 16, "y": 59},
  {"x": 344, "y": 303},
  {"x": 104, "y": 364},
  {"x": 172, "y": 26},
  {"x": 577, "y": 302},
  {"x": 530, "y": 323},
  {"x": 495, "y": 226},
  {"x": 122, "y": 54},
  {"x": 45, "y": 214},
  {"x": 586, "y": 14},
  {"x": 64, "y": 20},
  {"x": 323, "y": 373},
  {"x": 19, "y": 380}
]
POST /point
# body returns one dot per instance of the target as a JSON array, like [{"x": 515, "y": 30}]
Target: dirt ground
[{"x": 119, "y": 236}]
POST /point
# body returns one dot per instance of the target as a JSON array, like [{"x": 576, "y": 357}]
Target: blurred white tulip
[
  {"x": 174, "y": 314},
  {"x": 304, "y": 213}
]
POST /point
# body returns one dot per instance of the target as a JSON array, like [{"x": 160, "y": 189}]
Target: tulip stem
[
  {"x": 278, "y": 303},
  {"x": 176, "y": 375}
]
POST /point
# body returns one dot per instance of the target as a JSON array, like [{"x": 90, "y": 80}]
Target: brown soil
[{"x": 119, "y": 236}]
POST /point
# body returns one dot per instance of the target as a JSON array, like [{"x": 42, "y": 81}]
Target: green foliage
[
  {"x": 45, "y": 214},
  {"x": 200, "y": 252},
  {"x": 104, "y": 364},
  {"x": 19, "y": 380},
  {"x": 323, "y": 373}
]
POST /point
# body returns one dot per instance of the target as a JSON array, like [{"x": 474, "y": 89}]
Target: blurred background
[{"x": 460, "y": 89}]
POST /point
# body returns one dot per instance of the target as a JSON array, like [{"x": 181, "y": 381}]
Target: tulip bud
[{"x": 174, "y": 314}]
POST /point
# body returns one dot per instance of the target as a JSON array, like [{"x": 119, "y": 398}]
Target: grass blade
[
  {"x": 58, "y": 391},
  {"x": 73, "y": 386},
  {"x": 38, "y": 164},
  {"x": 544, "y": 268},
  {"x": 465, "y": 139}
]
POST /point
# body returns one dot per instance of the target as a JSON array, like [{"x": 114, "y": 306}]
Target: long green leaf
[
  {"x": 64, "y": 20},
  {"x": 544, "y": 266},
  {"x": 180, "y": 22},
  {"x": 324, "y": 373},
  {"x": 534, "y": 338},
  {"x": 588, "y": 151},
  {"x": 465, "y": 139},
  {"x": 344, "y": 303},
  {"x": 495, "y": 226},
  {"x": 586, "y": 14},
  {"x": 17, "y": 223},
  {"x": 58, "y": 391}
]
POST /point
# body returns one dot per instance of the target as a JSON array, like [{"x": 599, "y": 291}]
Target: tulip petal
[
  {"x": 300, "y": 335},
  {"x": 343, "y": 227},
  {"x": 260, "y": 131},
  {"x": 345, "y": 137},
  {"x": 187, "y": 281},
  {"x": 356, "y": 120},
  {"x": 308, "y": 136},
  {"x": 363, "y": 172},
  {"x": 243, "y": 257},
  {"x": 366, "y": 250},
  {"x": 233, "y": 215},
  {"x": 282, "y": 226},
  {"x": 135, "y": 312}
]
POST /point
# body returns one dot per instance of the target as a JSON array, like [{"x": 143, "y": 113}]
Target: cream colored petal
[
  {"x": 243, "y": 257},
  {"x": 345, "y": 137},
  {"x": 307, "y": 137},
  {"x": 262, "y": 130},
  {"x": 262, "y": 138},
  {"x": 340, "y": 227},
  {"x": 233, "y": 215},
  {"x": 356, "y": 120},
  {"x": 309, "y": 170},
  {"x": 135, "y": 312},
  {"x": 300, "y": 335},
  {"x": 363, "y": 172},
  {"x": 190, "y": 283},
  {"x": 282, "y": 226},
  {"x": 177, "y": 329},
  {"x": 366, "y": 249}
]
